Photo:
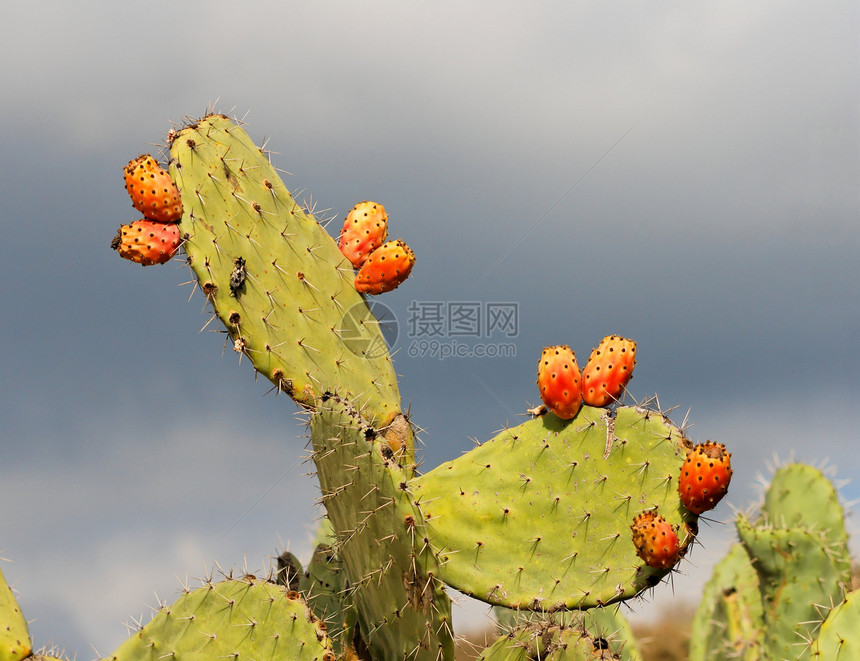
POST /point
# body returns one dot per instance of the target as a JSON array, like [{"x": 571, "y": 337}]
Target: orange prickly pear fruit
[
  {"x": 152, "y": 191},
  {"x": 147, "y": 242},
  {"x": 705, "y": 477},
  {"x": 559, "y": 381},
  {"x": 364, "y": 230},
  {"x": 608, "y": 370},
  {"x": 386, "y": 268},
  {"x": 655, "y": 540}
]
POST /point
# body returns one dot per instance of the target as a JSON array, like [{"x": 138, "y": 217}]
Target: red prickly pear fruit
[
  {"x": 152, "y": 191},
  {"x": 608, "y": 370},
  {"x": 655, "y": 540},
  {"x": 147, "y": 242},
  {"x": 558, "y": 381},
  {"x": 386, "y": 268},
  {"x": 705, "y": 476},
  {"x": 364, "y": 230}
]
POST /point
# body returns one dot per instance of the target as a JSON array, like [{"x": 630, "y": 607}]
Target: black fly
[{"x": 237, "y": 277}]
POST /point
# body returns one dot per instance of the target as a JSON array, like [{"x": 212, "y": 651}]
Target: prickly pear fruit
[
  {"x": 147, "y": 242},
  {"x": 559, "y": 382},
  {"x": 386, "y": 268},
  {"x": 152, "y": 191},
  {"x": 705, "y": 477},
  {"x": 655, "y": 540},
  {"x": 608, "y": 371},
  {"x": 364, "y": 230}
]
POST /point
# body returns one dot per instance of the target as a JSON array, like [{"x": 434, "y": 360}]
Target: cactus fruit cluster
[
  {"x": 564, "y": 389},
  {"x": 554, "y": 521}
]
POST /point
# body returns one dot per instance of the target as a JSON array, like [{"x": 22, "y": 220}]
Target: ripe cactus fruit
[
  {"x": 386, "y": 268},
  {"x": 558, "y": 379},
  {"x": 152, "y": 191},
  {"x": 364, "y": 230},
  {"x": 147, "y": 242},
  {"x": 655, "y": 540},
  {"x": 608, "y": 371},
  {"x": 705, "y": 477}
]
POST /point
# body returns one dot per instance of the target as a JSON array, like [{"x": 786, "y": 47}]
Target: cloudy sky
[{"x": 685, "y": 174}]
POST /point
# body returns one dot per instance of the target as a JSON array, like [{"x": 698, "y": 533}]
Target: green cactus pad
[
  {"x": 549, "y": 642},
  {"x": 839, "y": 637},
  {"x": 233, "y": 619},
  {"x": 801, "y": 496},
  {"x": 323, "y": 586},
  {"x": 729, "y": 620},
  {"x": 799, "y": 582},
  {"x": 403, "y": 612},
  {"x": 290, "y": 305},
  {"x": 539, "y": 517},
  {"x": 607, "y": 624},
  {"x": 14, "y": 635}
]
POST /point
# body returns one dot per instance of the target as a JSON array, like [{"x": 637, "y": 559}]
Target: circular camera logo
[{"x": 358, "y": 329}]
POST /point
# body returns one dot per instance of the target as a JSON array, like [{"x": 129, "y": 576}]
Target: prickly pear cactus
[
  {"x": 14, "y": 635},
  {"x": 606, "y": 625},
  {"x": 800, "y": 496},
  {"x": 728, "y": 622},
  {"x": 839, "y": 637},
  {"x": 403, "y": 612},
  {"x": 767, "y": 599},
  {"x": 234, "y": 619},
  {"x": 274, "y": 276},
  {"x": 324, "y": 586},
  {"x": 549, "y": 642},
  {"x": 540, "y": 516}
]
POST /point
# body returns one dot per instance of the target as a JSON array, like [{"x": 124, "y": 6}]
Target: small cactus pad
[
  {"x": 607, "y": 625},
  {"x": 539, "y": 517},
  {"x": 839, "y": 636},
  {"x": 550, "y": 642},
  {"x": 233, "y": 619},
  {"x": 323, "y": 585},
  {"x": 798, "y": 578},
  {"x": 801, "y": 496},
  {"x": 728, "y": 621},
  {"x": 14, "y": 635},
  {"x": 403, "y": 612},
  {"x": 274, "y": 276}
]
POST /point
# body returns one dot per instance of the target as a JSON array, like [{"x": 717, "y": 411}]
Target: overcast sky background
[{"x": 685, "y": 174}]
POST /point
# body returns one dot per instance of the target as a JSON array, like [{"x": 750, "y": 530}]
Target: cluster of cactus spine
[
  {"x": 538, "y": 519},
  {"x": 773, "y": 596}
]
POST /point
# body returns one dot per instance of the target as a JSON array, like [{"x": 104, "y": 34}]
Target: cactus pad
[
  {"x": 801, "y": 496},
  {"x": 403, "y": 612},
  {"x": 839, "y": 637},
  {"x": 798, "y": 581},
  {"x": 539, "y": 517},
  {"x": 728, "y": 621},
  {"x": 274, "y": 276},
  {"x": 234, "y": 619},
  {"x": 14, "y": 635}
]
